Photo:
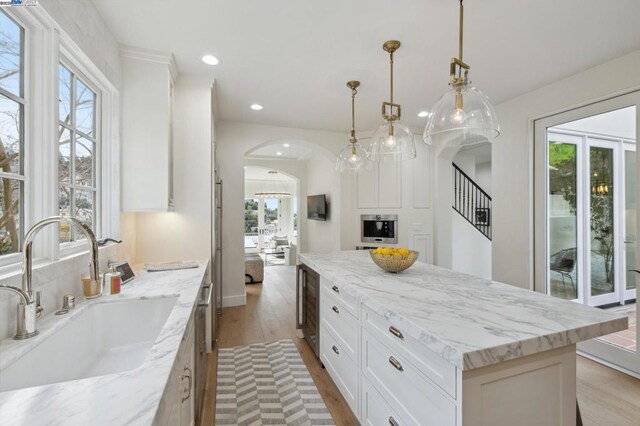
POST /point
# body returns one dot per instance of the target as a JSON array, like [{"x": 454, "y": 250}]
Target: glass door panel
[
  {"x": 270, "y": 221},
  {"x": 251, "y": 229},
  {"x": 630, "y": 228},
  {"x": 601, "y": 210},
  {"x": 563, "y": 221}
]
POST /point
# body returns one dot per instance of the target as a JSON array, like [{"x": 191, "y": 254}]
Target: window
[
  {"x": 77, "y": 151},
  {"x": 12, "y": 103}
]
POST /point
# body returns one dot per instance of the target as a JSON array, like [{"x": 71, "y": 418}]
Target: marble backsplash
[{"x": 54, "y": 279}]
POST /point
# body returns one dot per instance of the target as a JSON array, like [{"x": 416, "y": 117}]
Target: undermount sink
[{"x": 106, "y": 338}]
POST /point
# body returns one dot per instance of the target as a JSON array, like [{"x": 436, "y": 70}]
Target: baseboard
[{"x": 239, "y": 300}]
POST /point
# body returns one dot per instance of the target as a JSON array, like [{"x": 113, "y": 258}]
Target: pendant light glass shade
[
  {"x": 472, "y": 123},
  {"x": 353, "y": 157},
  {"x": 463, "y": 115},
  {"x": 392, "y": 141}
]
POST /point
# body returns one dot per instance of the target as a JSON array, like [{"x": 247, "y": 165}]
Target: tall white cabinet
[{"x": 147, "y": 118}]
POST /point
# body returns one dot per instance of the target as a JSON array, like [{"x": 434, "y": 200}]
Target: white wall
[
  {"x": 512, "y": 158},
  {"x": 471, "y": 250},
  {"x": 483, "y": 176},
  {"x": 82, "y": 22},
  {"x": 323, "y": 236},
  {"x": 185, "y": 233},
  {"x": 235, "y": 140}
]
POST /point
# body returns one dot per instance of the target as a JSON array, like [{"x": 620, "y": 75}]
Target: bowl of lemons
[{"x": 394, "y": 259}]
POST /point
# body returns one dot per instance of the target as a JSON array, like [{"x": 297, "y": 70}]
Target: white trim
[
  {"x": 150, "y": 55},
  {"x": 229, "y": 301}
]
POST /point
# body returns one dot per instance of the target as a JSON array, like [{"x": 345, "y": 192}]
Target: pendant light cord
[
  {"x": 391, "y": 67},
  {"x": 461, "y": 34},
  {"x": 353, "y": 115}
]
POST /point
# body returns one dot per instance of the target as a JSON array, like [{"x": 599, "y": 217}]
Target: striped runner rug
[{"x": 267, "y": 384}]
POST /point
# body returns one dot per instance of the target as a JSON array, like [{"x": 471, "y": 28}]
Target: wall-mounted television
[{"x": 317, "y": 207}]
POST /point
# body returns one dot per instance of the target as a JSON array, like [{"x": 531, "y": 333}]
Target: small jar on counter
[
  {"x": 112, "y": 281},
  {"x": 90, "y": 287}
]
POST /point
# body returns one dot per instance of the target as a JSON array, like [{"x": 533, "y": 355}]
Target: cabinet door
[
  {"x": 368, "y": 188},
  {"x": 390, "y": 184},
  {"x": 188, "y": 382}
]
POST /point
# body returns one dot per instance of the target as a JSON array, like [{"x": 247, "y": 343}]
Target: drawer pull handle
[
  {"x": 335, "y": 349},
  {"x": 335, "y": 309},
  {"x": 396, "y": 332},
  {"x": 392, "y": 421},
  {"x": 395, "y": 363},
  {"x": 336, "y": 289}
]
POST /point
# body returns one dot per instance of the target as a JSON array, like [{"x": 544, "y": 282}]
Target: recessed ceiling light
[
  {"x": 210, "y": 60},
  {"x": 286, "y": 145},
  {"x": 423, "y": 114},
  {"x": 256, "y": 107},
  {"x": 279, "y": 153}
]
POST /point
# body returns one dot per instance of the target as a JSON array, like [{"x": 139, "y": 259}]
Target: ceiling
[
  {"x": 284, "y": 150},
  {"x": 294, "y": 57},
  {"x": 261, "y": 173}
]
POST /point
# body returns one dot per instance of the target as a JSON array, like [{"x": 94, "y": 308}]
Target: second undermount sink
[{"x": 106, "y": 338}]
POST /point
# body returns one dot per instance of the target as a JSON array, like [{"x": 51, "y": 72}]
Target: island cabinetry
[
  {"x": 417, "y": 399},
  {"x": 339, "y": 341},
  {"x": 336, "y": 290},
  {"x": 428, "y": 363}
]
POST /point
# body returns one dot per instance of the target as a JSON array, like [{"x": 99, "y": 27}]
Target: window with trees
[
  {"x": 77, "y": 150},
  {"x": 12, "y": 104}
]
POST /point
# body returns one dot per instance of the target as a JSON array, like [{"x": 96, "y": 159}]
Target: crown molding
[{"x": 142, "y": 54}]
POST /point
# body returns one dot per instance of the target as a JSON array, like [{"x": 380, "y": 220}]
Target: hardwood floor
[
  {"x": 607, "y": 397},
  {"x": 270, "y": 315}
]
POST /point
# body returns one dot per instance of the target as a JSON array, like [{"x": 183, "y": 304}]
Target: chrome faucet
[{"x": 29, "y": 307}]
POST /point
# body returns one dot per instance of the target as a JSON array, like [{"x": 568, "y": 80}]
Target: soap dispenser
[{"x": 112, "y": 281}]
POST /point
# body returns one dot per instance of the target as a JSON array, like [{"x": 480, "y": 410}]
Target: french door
[{"x": 586, "y": 215}]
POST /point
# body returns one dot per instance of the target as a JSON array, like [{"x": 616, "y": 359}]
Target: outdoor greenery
[{"x": 251, "y": 216}]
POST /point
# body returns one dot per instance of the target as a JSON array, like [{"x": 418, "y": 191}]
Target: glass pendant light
[
  {"x": 392, "y": 140},
  {"x": 353, "y": 157},
  {"x": 463, "y": 115}
]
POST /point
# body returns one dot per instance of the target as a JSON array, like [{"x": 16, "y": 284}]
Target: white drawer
[
  {"x": 349, "y": 302},
  {"x": 424, "y": 360},
  {"x": 375, "y": 410},
  {"x": 414, "y": 397},
  {"x": 342, "y": 324},
  {"x": 341, "y": 368}
]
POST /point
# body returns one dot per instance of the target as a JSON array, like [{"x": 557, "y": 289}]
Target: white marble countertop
[
  {"x": 469, "y": 321},
  {"x": 127, "y": 398}
]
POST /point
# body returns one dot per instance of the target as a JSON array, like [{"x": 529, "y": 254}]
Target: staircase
[{"x": 471, "y": 202}]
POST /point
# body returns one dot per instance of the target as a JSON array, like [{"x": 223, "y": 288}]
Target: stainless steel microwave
[{"x": 379, "y": 228}]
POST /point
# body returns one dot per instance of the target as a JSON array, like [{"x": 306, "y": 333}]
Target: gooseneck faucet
[
  {"x": 29, "y": 307},
  {"x": 27, "y": 251}
]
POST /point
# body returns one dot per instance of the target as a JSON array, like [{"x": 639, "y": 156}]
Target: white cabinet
[
  {"x": 381, "y": 187},
  {"x": 147, "y": 140},
  {"x": 177, "y": 404}
]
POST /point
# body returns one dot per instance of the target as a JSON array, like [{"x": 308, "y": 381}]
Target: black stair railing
[{"x": 471, "y": 201}]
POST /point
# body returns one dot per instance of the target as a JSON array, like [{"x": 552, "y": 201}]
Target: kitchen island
[{"x": 437, "y": 347}]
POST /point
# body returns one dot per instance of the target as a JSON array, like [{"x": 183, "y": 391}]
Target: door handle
[
  {"x": 335, "y": 309},
  {"x": 393, "y": 422},
  {"x": 335, "y": 349},
  {"x": 634, "y": 270}
]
